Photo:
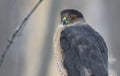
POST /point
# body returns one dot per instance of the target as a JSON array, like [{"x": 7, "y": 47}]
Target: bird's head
[{"x": 70, "y": 16}]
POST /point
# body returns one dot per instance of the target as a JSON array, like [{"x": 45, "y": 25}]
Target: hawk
[{"x": 79, "y": 49}]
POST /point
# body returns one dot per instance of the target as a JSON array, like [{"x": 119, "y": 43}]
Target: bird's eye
[{"x": 74, "y": 17}]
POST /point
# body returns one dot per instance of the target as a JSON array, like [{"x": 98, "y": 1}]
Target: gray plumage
[{"x": 84, "y": 51}]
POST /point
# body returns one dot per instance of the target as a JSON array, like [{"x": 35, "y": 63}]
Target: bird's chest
[{"x": 59, "y": 52}]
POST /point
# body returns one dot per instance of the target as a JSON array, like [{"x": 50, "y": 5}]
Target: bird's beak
[{"x": 64, "y": 21}]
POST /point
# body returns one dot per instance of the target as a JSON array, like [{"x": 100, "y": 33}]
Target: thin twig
[{"x": 17, "y": 31}]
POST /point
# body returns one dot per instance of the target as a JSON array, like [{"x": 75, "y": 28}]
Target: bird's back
[{"x": 84, "y": 51}]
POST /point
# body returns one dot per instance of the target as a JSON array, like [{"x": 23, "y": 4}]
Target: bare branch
[{"x": 17, "y": 31}]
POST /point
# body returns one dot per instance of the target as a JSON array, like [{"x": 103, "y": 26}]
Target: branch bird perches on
[{"x": 17, "y": 31}]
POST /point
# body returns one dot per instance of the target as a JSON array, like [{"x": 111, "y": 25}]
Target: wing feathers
[{"x": 84, "y": 49}]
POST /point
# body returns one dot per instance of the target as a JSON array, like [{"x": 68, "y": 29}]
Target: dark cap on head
[{"x": 72, "y": 11}]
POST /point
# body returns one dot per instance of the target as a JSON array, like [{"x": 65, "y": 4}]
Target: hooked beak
[{"x": 64, "y": 21}]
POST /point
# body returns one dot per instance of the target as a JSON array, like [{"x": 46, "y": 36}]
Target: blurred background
[{"x": 32, "y": 51}]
